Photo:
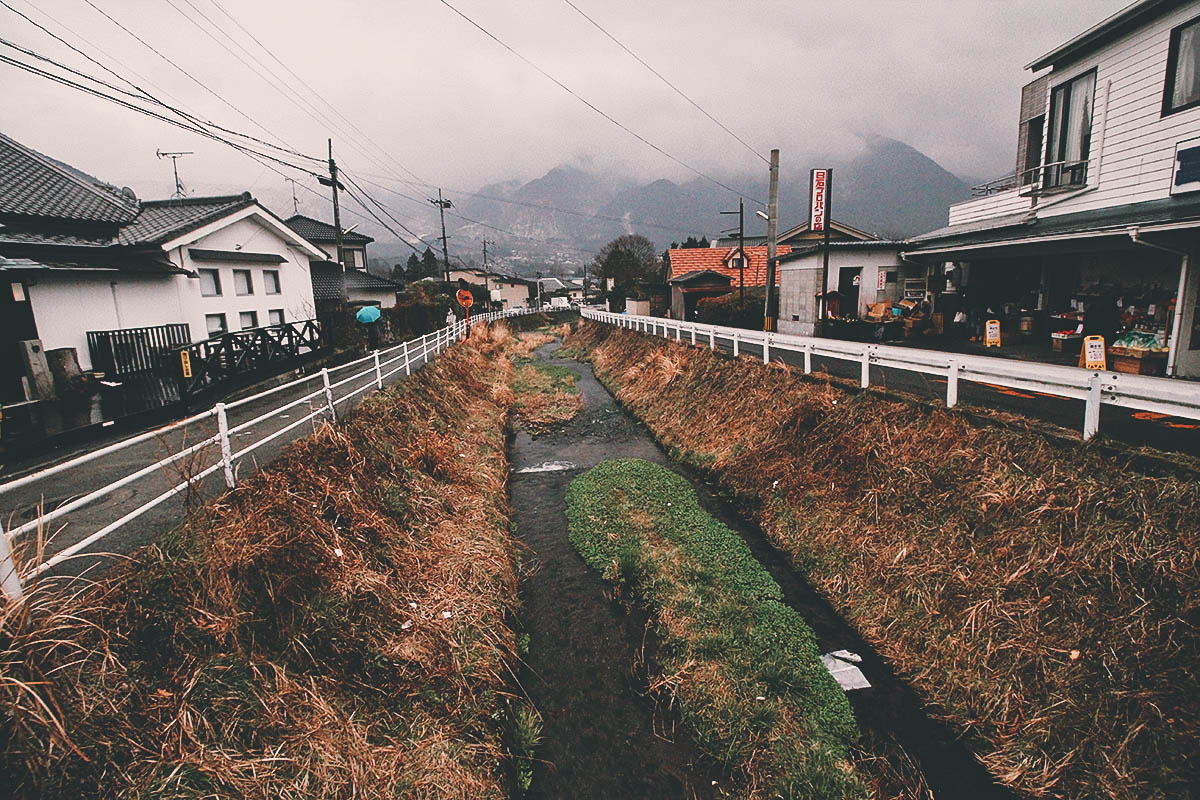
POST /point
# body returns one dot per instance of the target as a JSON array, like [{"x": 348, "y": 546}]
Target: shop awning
[{"x": 1081, "y": 230}]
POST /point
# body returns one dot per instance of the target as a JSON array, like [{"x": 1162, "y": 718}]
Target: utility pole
[
  {"x": 295, "y": 200},
  {"x": 332, "y": 182},
  {"x": 486, "y": 287},
  {"x": 179, "y": 193},
  {"x": 770, "y": 307},
  {"x": 442, "y": 205},
  {"x": 741, "y": 212}
]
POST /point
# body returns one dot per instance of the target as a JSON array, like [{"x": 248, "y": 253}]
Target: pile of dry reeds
[
  {"x": 1042, "y": 595},
  {"x": 335, "y": 627}
]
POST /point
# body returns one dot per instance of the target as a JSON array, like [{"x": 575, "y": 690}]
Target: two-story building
[
  {"x": 89, "y": 273},
  {"x": 505, "y": 290},
  {"x": 1098, "y": 228},
  {"x": 349, "y": 281}
]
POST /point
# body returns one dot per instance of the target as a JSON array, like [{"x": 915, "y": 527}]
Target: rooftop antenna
[
  {"x": 179, "y": 193},
  {"x": 295, "y": 202}
]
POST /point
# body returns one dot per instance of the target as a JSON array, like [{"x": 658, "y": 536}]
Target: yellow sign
[
  {"x": 1093, "y": 353},
  {"x": 185, "y": 361},
  {"x": 991, "y": 337}
]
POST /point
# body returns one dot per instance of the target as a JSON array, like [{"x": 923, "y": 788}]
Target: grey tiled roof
[
  {"x": 34, "y": 185},
  {"x": 162, "y": 220},
  {"x": 327, "y": 280},
  {"x": 358, "y": 279},
  {"x": 322, "y": 232}
]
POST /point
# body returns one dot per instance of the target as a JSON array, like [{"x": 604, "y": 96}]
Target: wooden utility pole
[
  {"x": 486, "y": 287},
  {"x": 442, "y": 205},
  {"x": 770, "y": 309},
  {"x": 337, "y": 214}
]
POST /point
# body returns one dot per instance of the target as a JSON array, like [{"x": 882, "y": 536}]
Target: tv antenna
[{"x": 179, "y": 193}]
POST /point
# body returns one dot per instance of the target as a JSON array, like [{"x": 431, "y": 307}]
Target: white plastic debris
[
  {"x": 412, "y": 605},
  {"x": 548, "y": 466},
  {"x": 760, "y": 697},
  {"x": 840, "y": 664},
  {"x": 337, "y": 551},
  {"x": 406, "y": 625},
  {"x": 446, "y": 615}
]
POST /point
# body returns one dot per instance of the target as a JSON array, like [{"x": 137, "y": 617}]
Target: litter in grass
[
  {"x": 840, "y": 664},
  {"x": 548, "y": 466}
]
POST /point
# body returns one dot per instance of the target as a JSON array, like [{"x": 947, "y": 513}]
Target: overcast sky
[{"x": 454, "y": 108}]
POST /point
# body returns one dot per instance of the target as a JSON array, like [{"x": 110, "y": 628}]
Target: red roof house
[{"x": 723, "y": 260}]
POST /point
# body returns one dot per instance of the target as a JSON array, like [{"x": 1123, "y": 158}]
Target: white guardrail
[
  {"x": 380, "y": 366},
  {"x": 1159, "y": 395}
]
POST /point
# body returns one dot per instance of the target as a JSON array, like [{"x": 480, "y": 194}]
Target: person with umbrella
[{"x": 368, "y": 316}]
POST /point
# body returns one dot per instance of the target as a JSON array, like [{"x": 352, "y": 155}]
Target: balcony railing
[
  {"x": 1055, "y": 176},
  {"x": 994, "y": 187},
  {"x": 134, "y": 351},
  {"x": 235, "y": 357}
]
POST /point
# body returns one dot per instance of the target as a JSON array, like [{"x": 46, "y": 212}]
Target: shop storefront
[{"x": 1119, "y": 273}]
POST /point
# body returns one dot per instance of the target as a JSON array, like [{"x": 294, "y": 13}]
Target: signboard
[
  {"x": 991, "y": 337},
  {"x": 185, "y": 363},
  {"x": 881, "y": 281},
  {"x": 1186, "y": 170},
  {"x": 818, "y": 199},
  {"x": 1093, "y": 353},
  {"x": 464, "y": 298}
]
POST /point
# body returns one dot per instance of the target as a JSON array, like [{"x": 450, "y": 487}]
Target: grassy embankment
[
  {"x": 338, "y": 626},
  {"x": 743, "y": 666},
  {"x": 1041, "y": 595}
]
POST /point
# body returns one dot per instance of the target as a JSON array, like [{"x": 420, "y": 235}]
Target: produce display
[{"x": 1142, "y": 341}]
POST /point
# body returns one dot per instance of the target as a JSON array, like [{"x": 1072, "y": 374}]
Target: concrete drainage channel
[{"x": 585, "y": 670}]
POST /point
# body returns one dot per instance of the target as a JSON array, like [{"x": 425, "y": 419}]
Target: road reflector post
[
  {"x": 328, "y": 394},
  {"x": 1091, "y": 409},
  {"x": 10, "y": 579},
  {"x": 226, "y": 450}
]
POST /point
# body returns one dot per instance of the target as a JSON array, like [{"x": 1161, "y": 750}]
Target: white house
[
  {"x": 78, "y": 256},
  {"x": 349, "y": 282},
  {"x": 861, "y": 271},
  {"x": 1101, "y": 217}
]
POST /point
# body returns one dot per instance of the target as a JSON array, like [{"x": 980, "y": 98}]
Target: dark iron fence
[
  {"x": 241, "y": 356},
  {"x": 135, "y": 351}
]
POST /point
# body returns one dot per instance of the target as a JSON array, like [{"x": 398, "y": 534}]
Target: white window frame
[
  {"x": 215, "y": 274},
  {"x": 274, "y": 313},
  {"x": 242, "y": 319},
  {"x": 249, "y": 282},
  {"x": 271, "y": 276}
]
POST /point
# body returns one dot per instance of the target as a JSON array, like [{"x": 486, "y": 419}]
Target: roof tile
[{"x": 717, "y": 259}]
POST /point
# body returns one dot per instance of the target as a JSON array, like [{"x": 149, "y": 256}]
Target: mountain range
[{"x": 554, "y": 222}]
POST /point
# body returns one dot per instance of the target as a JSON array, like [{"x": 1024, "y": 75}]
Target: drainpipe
[{"x": 1135, "y": 235}]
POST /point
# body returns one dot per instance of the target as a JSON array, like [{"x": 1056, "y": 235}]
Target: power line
[
  {"x": 660, "y": 76},
  {"x": 194, "y": 79},
  {"x": 350, "y": 179},
  {"x": 591, "y": 105},
  {"x": 140, "y": 109}
]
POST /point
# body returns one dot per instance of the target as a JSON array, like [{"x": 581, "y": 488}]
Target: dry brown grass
[
  {"x": 335, "y": 627},
  {"x": 546, "y": 396},
  {"x": 1041, "y": 595}
]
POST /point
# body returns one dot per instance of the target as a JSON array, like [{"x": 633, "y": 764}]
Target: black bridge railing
[
  {"x": 242, "y": 356},
  {"x": 135, "y": 351}
]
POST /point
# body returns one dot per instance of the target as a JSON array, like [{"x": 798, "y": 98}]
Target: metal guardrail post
[
  {"x": 693, "y": 335},
  {"x": 952, "y": 384},
  {"x": 712, "y": 339},
  {"x": 808, "y": 358},
  {"x": 735, "y": 344},
  {"x": 1091, "y": 409},
  {"x": 10, "y": 578},
  {"x": 407, "y": 368},
  {"x": 766, "y": 348},
  {"x": 865, "y": 380},
  {"x": 378, "y": 372},
  {"x": 328, "y": 394},
  {"x": 678, "y": 332},
  {"x": 226, "y": 450}
]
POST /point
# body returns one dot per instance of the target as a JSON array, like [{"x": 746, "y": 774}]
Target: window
[
  {"x": 1183, "y": 69},
  {"x": 248, "y": 320},
  {"x": 1034, "y": 130},
  {"x": 1070, "y": 138},
  {"x": 271, "y": 281},
  {"x": 275, "y": 316},
  {"x": 210, "y": 283},
  {"x": 348, "y": 258},
  {"x": 243, "y": 283},
  {"x": 215, "y": 324}
]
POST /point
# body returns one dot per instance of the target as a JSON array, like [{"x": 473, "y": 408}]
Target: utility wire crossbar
[
  {"x": 1095, "y": 388},
  {"x": 380, "y": 365}
]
